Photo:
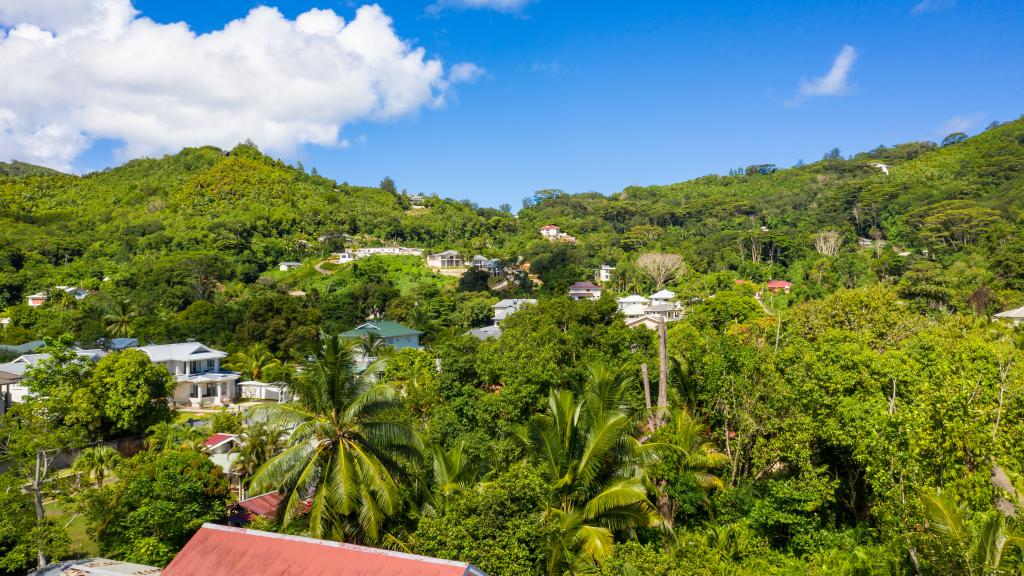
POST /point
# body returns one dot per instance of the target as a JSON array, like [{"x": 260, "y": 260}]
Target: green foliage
[{"x": 158, "y": 502}]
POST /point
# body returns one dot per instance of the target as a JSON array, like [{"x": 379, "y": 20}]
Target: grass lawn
[
  {"x": 81, "y": 543},
  {"x": 184, "y": 417}
]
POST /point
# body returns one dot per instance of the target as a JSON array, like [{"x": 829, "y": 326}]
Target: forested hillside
[{"x": 866, "y": 422}]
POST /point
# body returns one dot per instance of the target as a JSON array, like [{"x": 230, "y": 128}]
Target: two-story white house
[
  {"x": 12, "y": 373},
  {"x": 196, "y": 368},
  {"x": 662, "y": 306}
]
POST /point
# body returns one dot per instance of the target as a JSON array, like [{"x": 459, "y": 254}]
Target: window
[
  {"x": 209, "y": 365},
  {"x": 195, "y": 391},
  {"x": 211, "y": 389}
]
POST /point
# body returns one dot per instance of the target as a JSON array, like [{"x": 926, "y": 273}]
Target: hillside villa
[
  {"x": 286, "y": 266},
  {"x": 446, "y": 259},
  {"x": 492, "y": 266},
  {"x": 649, "y": 312},
  {"x": 392, "y": 333},
  {"x": 12, "y": 373},
  {"x": 604, "y": 273},
  {"x": 347, "y": 256},
  {"x": 196, "y": 369},
  {"x": 584, "y": 291},
  {"x": 40, "y": 298},
  {"x": 503, "y": 309},
  {"x": 553, "y": 233},
  {"x": 778, "y": 286}
]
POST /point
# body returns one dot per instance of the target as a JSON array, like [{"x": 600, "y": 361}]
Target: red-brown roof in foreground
[{"x": 224, "y": 551}]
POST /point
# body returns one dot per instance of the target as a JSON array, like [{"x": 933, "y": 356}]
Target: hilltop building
[{"x": 584, "y": 291}]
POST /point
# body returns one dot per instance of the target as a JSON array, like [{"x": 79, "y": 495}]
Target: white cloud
[
  {"x": 834, "y": 83},
  {"x": 961, "y": 123},
  {"x": 465, "y": 73},
  {"x": 507, "y": 6},
  {"x": 933, "y": 5},
  {"x": 77, "y": 71}
]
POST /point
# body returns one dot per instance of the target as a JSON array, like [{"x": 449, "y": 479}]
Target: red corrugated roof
[
  {"x": 779, "y": 284},
  {"x": 266, "y": 505},
  {"x": 225, "y": 551},
  {"x": 217, "y": 439}
]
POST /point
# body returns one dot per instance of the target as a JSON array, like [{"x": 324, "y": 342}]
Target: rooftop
[
  {"x": 1015, "y": 314},
  {"x": 218, "y": 439},
  {"x": 182, "y": 352},
  {"x": 385, "y": 328},
  {"x": 663, "y": 295},
  {"x": 633, "y": 299},
  {"x": 225, "y": 551},
  {"x": 584, "y": 286}
]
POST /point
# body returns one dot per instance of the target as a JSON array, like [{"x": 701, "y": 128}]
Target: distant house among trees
[
  {"x": 490, "y": 265},
  {"x": 446, "y": 259},
  {"x": 286, "y": 266},
  {"x": 554, "y": 234},
  {"x": 584, "y": 291},
  {"x": 1015, "y": 316},
  {"x": 40, "y": 298},
  {"x": 604, "y": 273},
  {"x": 392, "y": 333},
  {"x": 778, "y": 286}
]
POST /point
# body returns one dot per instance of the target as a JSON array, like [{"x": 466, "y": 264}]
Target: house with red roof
[
  {"x": 779, "y": 286},
  {"x": 227, "y": 551}
]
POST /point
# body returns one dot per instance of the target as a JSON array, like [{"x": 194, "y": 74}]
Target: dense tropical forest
[{"x": 866, "y": 422}]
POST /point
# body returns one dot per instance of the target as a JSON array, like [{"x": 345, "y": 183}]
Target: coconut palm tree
[
  {"x": 682, "y": 446},
  {"x": 453, "y": 472},
  {"x": 118, "y": 319},
  {"x": 254, "y": 362},
  {"x": 258, "y": 443},
  {"x": 977, "y": 547},
  {"x": 96, "y": 462},
  {"x": 346, "y": 450},
  {"x": 593, "y": 468},
  {"x": 371, "y": 345},
  {"x": 165, "y": 436}
]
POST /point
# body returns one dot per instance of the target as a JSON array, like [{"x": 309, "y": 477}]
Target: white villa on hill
[
  {"x": 649, "y": 312},
  {"x": 584, "y": 291},
  {"x": 503, "y": 309},
  {"x": 200, "y": 380},
  {"x": 604, "y": 273},
  {"x": 446, "y": 259},
  {"x": 347, "y": 256}
]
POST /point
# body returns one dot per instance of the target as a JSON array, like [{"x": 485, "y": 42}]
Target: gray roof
[
  {"x": 1015, "y": 314},
  {"x": 23, "y": 348},
  {"x": 182, "y": 352},
  {"x": 486, "y": 332},
  {"x": 446, "y": 253},
  {"x": 96, "y": 567}
]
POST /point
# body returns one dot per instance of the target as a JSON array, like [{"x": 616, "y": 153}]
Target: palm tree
[
  {"x": 118, "y": 319},
  {"x": 165, "y": 436},
  {"x": 258, "y": 443},
  {"x": 683, "y": 447},
  {"x": 594, "y": 472},
  {"x": 346, "y": 449},
  {"x": 254, "y": 362},
  {"x": 453, "y": 472},
  {"x": 96, "y": 462},
  {"x": 371, "y": 345},
  {"x": 978, "y": 548}
]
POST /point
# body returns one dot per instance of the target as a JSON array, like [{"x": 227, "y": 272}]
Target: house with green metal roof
[{"x": 393, "y": 333}]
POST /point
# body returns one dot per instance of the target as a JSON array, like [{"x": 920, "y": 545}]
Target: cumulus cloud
[
  {"x": 834, "y": 83},
  {"x": 933, "y": 5},
  {"x": 961, "y": 123},
  {"x": 507, "y": 6},
  {"x": 78, "y": 71}
]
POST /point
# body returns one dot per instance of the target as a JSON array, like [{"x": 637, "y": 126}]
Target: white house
[
  {"x": 255, "y": 390},
  {"x": 550, "y": 231},
  {"x": 347, "y": 256},
  {"x": 505, "y": 308},
  {"x": 200, "y": 380},
  {"x": 286, "y": 266},
  {"x": 633, "y": 307},
  {"x": 1015, "y": 317},
  {"x": 584, "y": 291},
  {"x": 446, "y": 259},
  {"x": 604, "y": 273},
  {"x": 39, "y": 298},
  {"x": 12, "y": 373},
  {"x": 490, "y": 265},
  {"x": 649, "y": 312}
]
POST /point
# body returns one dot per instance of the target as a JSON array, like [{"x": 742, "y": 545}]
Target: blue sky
[{"x": 601, "y": 95}]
